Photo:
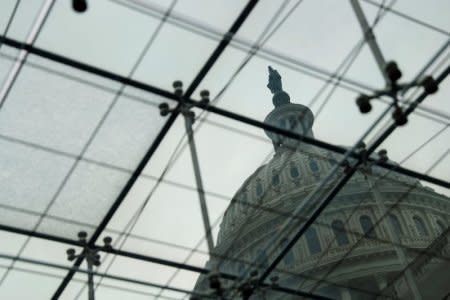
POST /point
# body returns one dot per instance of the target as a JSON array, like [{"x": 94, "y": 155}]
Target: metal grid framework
[{"x": 84, "y": 146}]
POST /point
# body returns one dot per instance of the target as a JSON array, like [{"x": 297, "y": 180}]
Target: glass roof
[{"x": 87, "y": 144}]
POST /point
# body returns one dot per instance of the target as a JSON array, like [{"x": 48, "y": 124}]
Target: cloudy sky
[{"x": 52, "y": 115}]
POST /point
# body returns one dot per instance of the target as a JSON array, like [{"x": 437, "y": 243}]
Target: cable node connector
[
  {"x": 80, "y": 6},
  {"x": 178, "y": 86},
  {"x": 204, "y": 95},
  {"x": 399, "y": 116},
  {"x": 392, "y": 71},
  {"x": 363, "y": 102},
  {"x": 430, "y": 85}
]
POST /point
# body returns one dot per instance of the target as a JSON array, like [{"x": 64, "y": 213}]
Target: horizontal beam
[
  {"x": 103, "y": 274},
  {"x": 224, "y": 113},
  {"x": 146, "y": 258}
]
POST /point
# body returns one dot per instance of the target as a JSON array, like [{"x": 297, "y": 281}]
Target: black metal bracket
[
  {"x": 184, "y": 106},
  {"x": 393, "y": 90},
  {"x": 89, "y": 253}
]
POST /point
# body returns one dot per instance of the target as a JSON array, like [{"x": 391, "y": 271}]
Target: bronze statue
[
  {"x": 280, "y": 97},
  {"x": 274, "y": 84}
]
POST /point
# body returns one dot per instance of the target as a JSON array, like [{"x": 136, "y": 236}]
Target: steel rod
[
  {"x": 188, "y": 121},
  {"x": 109, "y": 276},
  {"x": 90, "y": 274},
  {"x": 370, "y": 39}
]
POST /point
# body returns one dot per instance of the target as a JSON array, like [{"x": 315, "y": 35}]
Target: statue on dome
[
  {"x": 274, "y": 84},
  {"x": 280, "y": 97}
]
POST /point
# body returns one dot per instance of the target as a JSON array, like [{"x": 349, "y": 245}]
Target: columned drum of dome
[{"x": 374, "y": 231}]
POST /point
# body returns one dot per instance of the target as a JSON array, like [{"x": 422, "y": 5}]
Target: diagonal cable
[
  {"x": 10, "y": 20},
  {"x": 23, "y": 54}
]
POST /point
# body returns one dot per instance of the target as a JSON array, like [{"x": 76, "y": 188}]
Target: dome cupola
[{"x": 286, "y": 115}]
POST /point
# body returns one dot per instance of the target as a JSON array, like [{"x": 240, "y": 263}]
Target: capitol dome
[{"x": 369, "y": 241}]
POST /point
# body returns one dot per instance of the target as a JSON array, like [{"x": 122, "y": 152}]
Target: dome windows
[
  {"x": 339, "y": 232},
  {"x": 294, "y": 172},
  {"x": 282, "y": 123},
  {"x": 292, "y": 122},
  {"x": 367, "y": 226},
  {"x": 420, "y": 226},
  {"x": 396, "y": 225},
  {"x": 275, "y": 179},
  {"x": 313, "y": 165},
  {"x": 312, "y": 240},
  {"x": 244, "y": 203},
  {"x": 259, "y": 189}
]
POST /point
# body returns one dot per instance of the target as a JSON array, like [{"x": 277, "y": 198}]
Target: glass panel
[
  {"x": 430, "y": 144},
  {"x": 7, "y": 57},
  {"x": 219, "y": 15},
  {"x": 254, "y": 181},
  {"x": 22, "y": 183},
  {"x": 127, "y": 133},
  {"x": 43, "y": 109},
  {"x": 248, "y": 96},
  {"x": 400, "y": 32},
  {"x": 86, "y": 197},
  {"x": 23, "y": 20},
  {"x": 432, "y": 14},
  {"x": 45, "y": 125},
  {"x": 42, "y": 286},
  {"x": 162, "y": 65},
  {"x": 100, "y": 36},
  {"x": 41, "y": 280},
  {"x": 305, "y": 17}
]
